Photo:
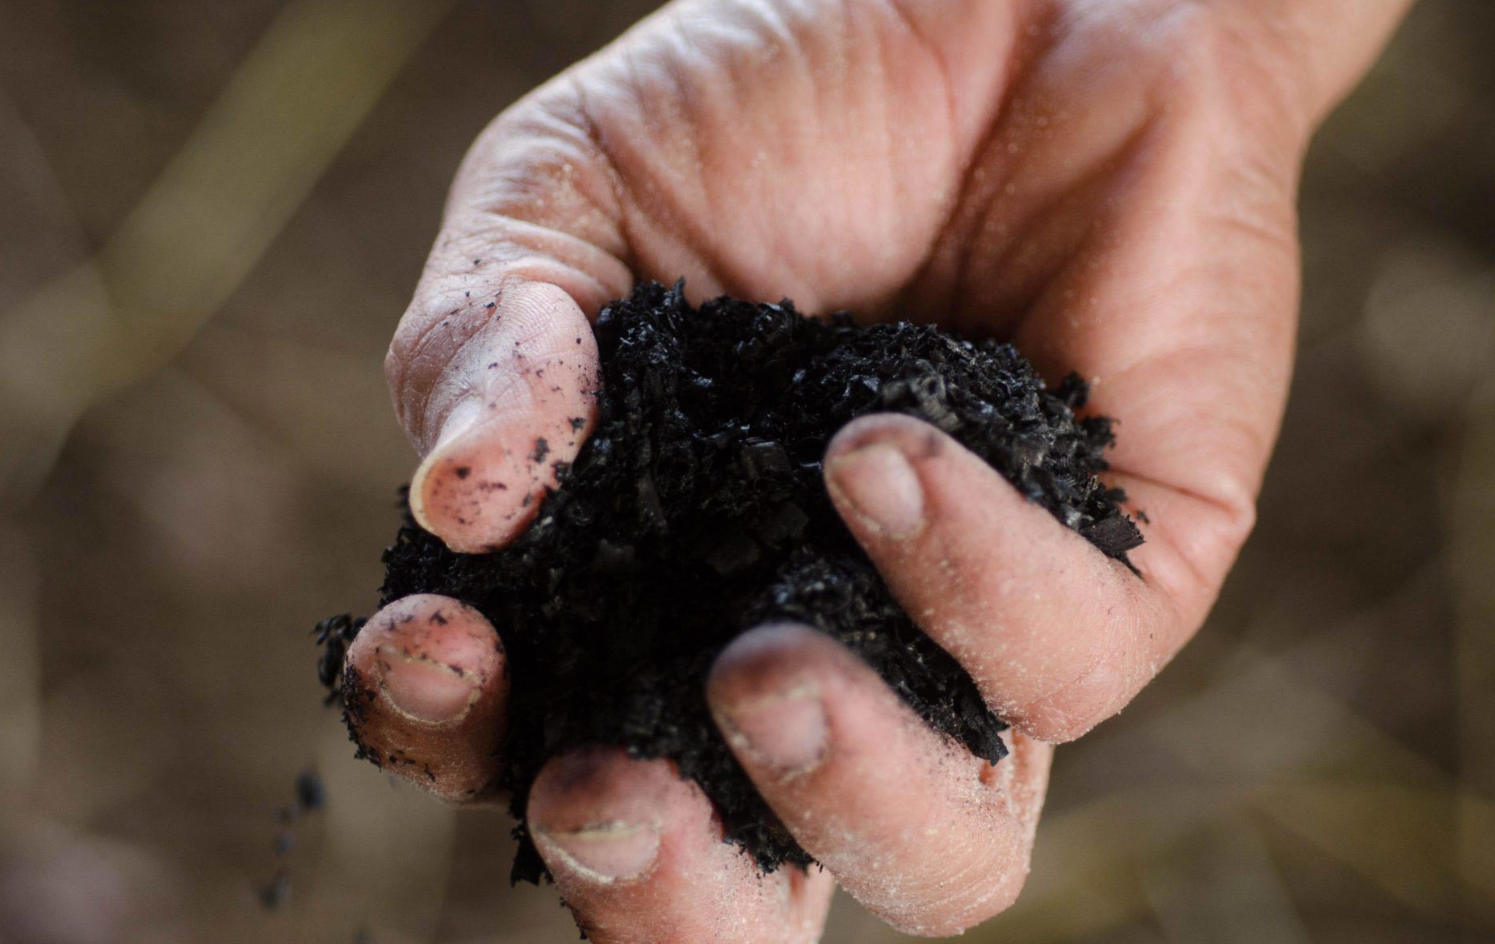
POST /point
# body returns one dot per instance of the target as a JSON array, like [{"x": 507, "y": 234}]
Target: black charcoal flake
[
  {"x": 696, "y": 511},
  {"x": 277, "y": 892},
  {"x": 310, "y": 793},
  {"x": 333, "y": 635}
]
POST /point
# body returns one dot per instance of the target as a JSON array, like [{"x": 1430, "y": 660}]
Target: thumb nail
[{"x": 467, "y": 490}]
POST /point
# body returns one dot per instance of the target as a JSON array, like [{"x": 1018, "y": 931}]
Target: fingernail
[
  {"x": 462, "y": 420},
  {"x": 425, "y": 690},
  {"x": 786, "y": 733},
  {"x": 881, "y": 487},
  {"x": 605, "y": 853}
]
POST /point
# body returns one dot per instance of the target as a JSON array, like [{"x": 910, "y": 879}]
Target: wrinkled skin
[{"x": 1109, "y": 183}]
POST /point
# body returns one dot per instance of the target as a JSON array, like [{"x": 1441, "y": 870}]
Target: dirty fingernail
[
  {"x": 605, "y": 853},
  {"x": 425, "y": 690},
  {"x": 882, "y": 488},
  {"x": 433, "y": 475},
  {"x": 785, "y": 732}
]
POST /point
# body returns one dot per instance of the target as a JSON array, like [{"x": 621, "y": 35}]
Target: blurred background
[{"x": 211, "y": 216}]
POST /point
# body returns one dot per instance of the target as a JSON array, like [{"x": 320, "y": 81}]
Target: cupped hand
[{"x": 1109, "y": 183}]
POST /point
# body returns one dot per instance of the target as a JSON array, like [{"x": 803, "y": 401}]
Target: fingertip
[
  {"x": 597, "y": 784},
  {"x": 909, "y": 434},
  {"x": 930, "y": 838},
  {"x": 475, "y": 494},
  {"x": 780, "y": 663},
  {"x": 873, "y": 480},
  {"x": 768, "y": 691},
  {"x": 514, "y": 411},
  {"x": 597, "y": 816},
  {"x": 781, "y": 691},
  {"x": 760, "y": 660},
  {"x": 431, "y": 655},
  {"x": 1057, "y": 635},
  {"x": 425, "y": 689},
  {"x": 639, "y": 855}
]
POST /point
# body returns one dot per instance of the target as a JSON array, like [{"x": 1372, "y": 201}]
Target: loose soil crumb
[
  {"x": 697, "y": 510},
  {"x": 311, "y": 796}
]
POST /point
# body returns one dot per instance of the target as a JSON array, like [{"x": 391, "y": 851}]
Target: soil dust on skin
[{"x": 697, "y": 510}]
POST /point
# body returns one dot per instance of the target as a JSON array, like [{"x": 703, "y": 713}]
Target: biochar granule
[{"x": 697, "y": 510}]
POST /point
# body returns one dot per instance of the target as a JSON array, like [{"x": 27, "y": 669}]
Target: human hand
[{"x": 1110, "y": 183}]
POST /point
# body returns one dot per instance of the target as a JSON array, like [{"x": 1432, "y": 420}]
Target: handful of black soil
[{"x": 697, "y": 511}]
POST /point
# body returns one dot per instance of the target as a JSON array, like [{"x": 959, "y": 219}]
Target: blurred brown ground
[{"x": 1319, "y": 766}]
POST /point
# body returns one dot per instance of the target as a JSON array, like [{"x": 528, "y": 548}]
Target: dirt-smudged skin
[
  {"x": 424, "y": 673},
  {"x": 697, "y": 510}
]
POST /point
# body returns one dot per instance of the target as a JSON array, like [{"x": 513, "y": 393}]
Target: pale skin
[{"x": 1109, "y": 183}]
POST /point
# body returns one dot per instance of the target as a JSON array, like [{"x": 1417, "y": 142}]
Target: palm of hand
[{"x": 1076, "y": 176}]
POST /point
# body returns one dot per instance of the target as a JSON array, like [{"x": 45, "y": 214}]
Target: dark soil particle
[
  {"x": 277, "y": 892},
  {"x": 310, "y": 792},
  {"x": 697, "y": 510}
]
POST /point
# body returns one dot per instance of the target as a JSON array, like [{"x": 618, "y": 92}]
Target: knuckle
[
  {"x": 1099, "y": 691},
  {"x": 1220, "y": 66},
  {"x": 1208, "y": 68}
]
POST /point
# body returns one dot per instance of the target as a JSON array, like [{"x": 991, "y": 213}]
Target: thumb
[
  {"x": 515, "y": 403},
  {"x": 494, "y": 367}
]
